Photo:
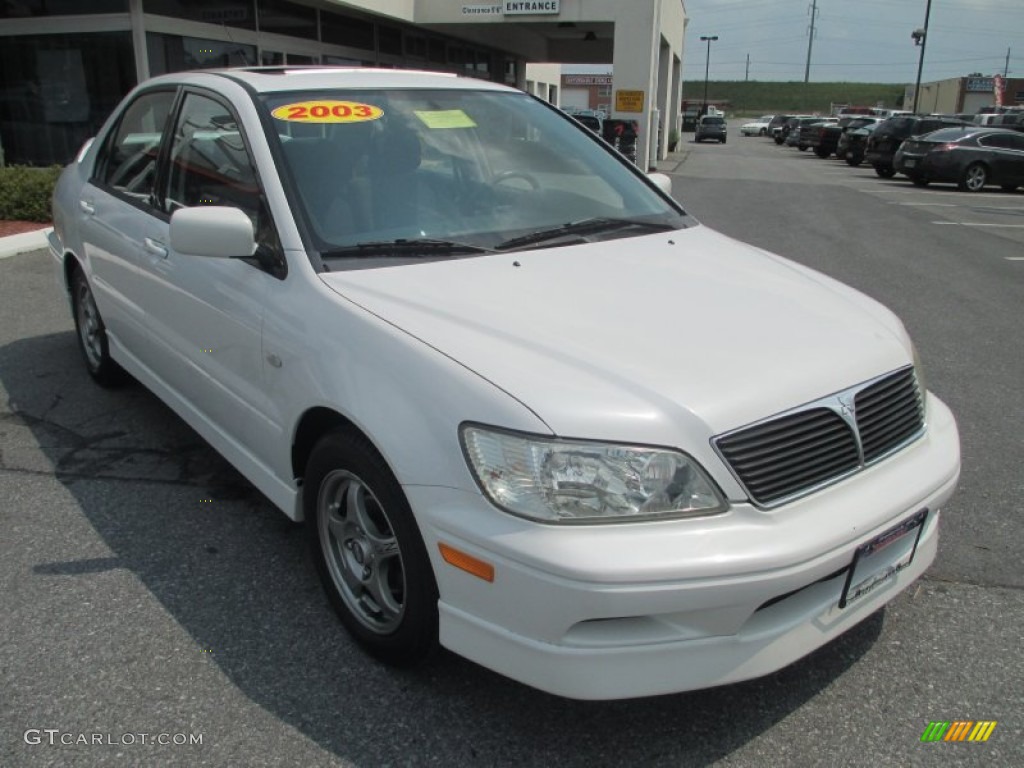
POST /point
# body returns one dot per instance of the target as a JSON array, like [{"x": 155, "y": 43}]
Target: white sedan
[
  {"x": 528, "y": 408},
  {"x": 757, "y": 127}
]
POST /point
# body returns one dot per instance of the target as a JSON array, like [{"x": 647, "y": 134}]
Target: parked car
[
  {"x": 384, "y": 297},
  {"x": 854, "y": 141},
  {"x": 711, "y": 127},
  {"x": 800, "y": 134},
  {"x": 887, "y": 137},
  {"x": 593, "y": 122},
  {"x": 1011, "y": 120},
  {"x": 793, "y": 123},
  {"x": 757, "y": 127},
  {"x": 774, "y": 128},
  {"x": 838, "y": 133},
  {"x": 969, "y": 156}
]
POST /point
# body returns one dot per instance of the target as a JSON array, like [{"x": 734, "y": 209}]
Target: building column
[
  {"x": 139, "y": 41},
  {"x": 675, "y": 97},
  {"x": 664, "y": 106},
  {"x": 636, "y": 34}
]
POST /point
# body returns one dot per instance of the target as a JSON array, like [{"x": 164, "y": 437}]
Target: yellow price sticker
[{"x": 445, "y": 118}]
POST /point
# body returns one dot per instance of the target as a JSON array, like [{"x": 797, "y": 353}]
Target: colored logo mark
[{"x": 958, "y": 730}]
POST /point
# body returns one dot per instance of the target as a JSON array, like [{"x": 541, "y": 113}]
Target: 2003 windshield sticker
[{"x": 327, "y": 112}]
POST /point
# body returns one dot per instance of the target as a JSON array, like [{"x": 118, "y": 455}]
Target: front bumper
[
  {"x": 620, "y": 611},
  {"x": 56, "y": 248}
]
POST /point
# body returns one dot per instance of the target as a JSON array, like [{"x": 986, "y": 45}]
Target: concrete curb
[{"x": 12, "y": 245}]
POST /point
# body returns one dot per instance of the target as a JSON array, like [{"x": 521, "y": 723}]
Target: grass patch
[{"x": 753, "y": 98}]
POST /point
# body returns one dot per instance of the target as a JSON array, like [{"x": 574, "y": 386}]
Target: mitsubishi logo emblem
[{"x": 847, "y": 405}]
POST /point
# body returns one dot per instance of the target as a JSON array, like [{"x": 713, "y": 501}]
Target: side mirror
[
  {"x": 662, "y": 182},
  {"x": 217, "y": 231}
]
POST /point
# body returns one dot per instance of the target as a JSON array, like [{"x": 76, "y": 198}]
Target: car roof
[{"x": 278, "y": 79}]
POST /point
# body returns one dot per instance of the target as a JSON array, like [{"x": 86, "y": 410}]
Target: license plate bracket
[{"x": 863, "y": 575}]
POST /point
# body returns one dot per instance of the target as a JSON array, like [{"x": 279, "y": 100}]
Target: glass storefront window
[
  {"x": 172, "y": 53},
  {"x": 346, "y": 30},
  {"x": 284, "y": 18},
  {"x": 231, "y": 13},
  {"x": 389, "y": 40},
  {"x": 57, "y": 90},
  {"x": 16, "y": 9}
]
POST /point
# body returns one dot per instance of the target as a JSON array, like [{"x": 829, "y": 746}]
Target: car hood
[{"x": 636, "y": 338}]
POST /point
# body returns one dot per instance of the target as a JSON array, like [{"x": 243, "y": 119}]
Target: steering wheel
[{"x": 504, "y": 176}]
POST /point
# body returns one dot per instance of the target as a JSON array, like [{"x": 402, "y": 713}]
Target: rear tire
[
  {"x": 92, "y": 334},
  {"x": 920, "y": 181},
  {"x": 854, "y": 160},
  {"x": 802, "y": 147},
  {"x": 368, "y": 550},
  {"x": 974, "y": 177},
  {"x": 884, "y": 172},
  {"x": 822, "y": 153}
]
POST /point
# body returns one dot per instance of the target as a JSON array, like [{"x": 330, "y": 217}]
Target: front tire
[
  {"x": 92, "y": 334},
  {"x": 854, "y": 160},
  {"x": 884, "y": 172},
  {"x": 368, "y": 550},
  {"x": 974, "y": 177},
  {"x": 920, "y": 181}
]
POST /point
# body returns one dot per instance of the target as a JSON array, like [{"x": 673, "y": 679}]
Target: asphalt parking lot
[{"x": 147, "y": 590}]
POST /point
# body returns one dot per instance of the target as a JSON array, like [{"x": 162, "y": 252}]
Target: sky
[{"x": 856, "y": 40}]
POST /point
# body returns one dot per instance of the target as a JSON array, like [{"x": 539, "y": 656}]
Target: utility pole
[
  {"x": 810, "y": 40},
  {"x": 920, "y": 37},
  {"x": 1006, "y": 69},
  {"x": 746, "y": 75}
]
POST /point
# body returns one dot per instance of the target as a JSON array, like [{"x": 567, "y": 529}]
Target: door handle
[
  {"x": 87, "y": 207},
  {"x": 156, "y": 247}
]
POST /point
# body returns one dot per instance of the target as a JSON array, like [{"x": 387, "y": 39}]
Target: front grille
[
  {"x": 797, "y": 452},
  {"x": 787, "y": 455},
  {"x": 889, "y": 412}
]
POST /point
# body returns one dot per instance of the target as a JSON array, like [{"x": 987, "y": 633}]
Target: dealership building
[
  {"x": 958, "y": 95},
  {"x": 65, "y": 64}
]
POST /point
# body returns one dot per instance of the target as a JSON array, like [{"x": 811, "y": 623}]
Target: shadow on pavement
[{"x": 239, "y": 581}]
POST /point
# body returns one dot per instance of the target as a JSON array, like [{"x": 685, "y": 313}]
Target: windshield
[
  {"x": 477, "y": 168},
  {"x": 713, "y": 121}
]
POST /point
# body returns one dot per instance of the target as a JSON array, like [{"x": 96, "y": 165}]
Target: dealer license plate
[
  {"x": 879, "y": 560},
  {"x": 909, "y": 162}
]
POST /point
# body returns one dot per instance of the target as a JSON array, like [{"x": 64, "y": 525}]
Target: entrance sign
[{"x": 519, "y": 7}]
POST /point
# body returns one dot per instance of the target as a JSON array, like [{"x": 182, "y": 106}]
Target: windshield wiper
[
  {"x": 423, "y": 246},
  {"x": 583, "y": 227}
]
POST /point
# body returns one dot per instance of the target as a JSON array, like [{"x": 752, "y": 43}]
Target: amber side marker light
[{"x": 467, "y": 563}]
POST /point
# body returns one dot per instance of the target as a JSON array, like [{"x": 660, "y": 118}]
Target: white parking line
[
  {"x": 975, "y": 224},
  {"x": 1014, "y": 258},
  {"x": 955, "y": 195},
  {"x": 934, "y": 205}
]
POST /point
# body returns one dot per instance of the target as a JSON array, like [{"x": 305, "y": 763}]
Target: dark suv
[{"x": 883, "y": 143}]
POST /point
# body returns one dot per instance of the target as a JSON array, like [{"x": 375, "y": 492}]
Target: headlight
[{"x": 564, "y": 481}]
